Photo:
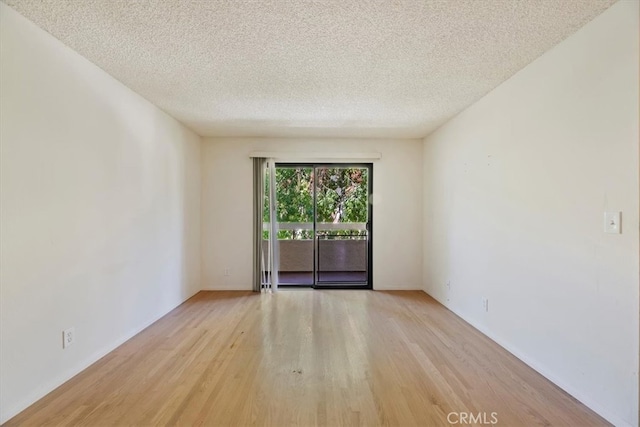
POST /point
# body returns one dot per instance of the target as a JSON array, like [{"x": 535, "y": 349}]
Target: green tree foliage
[{"x": 341, "y": 197}]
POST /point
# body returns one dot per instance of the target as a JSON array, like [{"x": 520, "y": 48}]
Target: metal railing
[
  {"x": 320, "y": 226},
  {"x": 349, "y": 236}
]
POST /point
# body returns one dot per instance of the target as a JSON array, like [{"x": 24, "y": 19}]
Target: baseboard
[
  {"x": 395, "y": 288},
  {"x": 56, "y": 382},
  {"x": 539, "y": 368},
  {"x": 229, "y": 287},
  {"x": 244, "y": 288}
]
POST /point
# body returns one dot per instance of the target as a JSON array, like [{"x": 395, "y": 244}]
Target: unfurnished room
[{"x": 319, "y": 213}]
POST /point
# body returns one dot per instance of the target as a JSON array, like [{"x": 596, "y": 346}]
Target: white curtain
[
  {"x": 259, "y": 276},
  {"x": 274, "y": 249},
  {"x": 265, "y": 265}
]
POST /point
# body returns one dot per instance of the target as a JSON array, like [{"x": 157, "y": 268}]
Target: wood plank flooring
[{"x": 305, "y": 357}]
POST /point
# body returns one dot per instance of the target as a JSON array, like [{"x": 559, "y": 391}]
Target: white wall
[
  {"x": 515, "y": 191},
  {"x": 100, "y": 212},
  {"x": 227, "y": 207}
]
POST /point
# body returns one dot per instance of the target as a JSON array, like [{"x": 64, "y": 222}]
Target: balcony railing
[
  {"x": 320, "y": 226},
  {"x": 336, "y": 252}
]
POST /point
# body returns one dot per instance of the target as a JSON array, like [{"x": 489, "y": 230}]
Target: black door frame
[{"x": 369, "y": 228}]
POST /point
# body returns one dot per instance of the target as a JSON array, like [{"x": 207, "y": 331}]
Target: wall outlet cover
[
  {"x": 68, "y": 337},
  {"x": 612, "y": 223}
]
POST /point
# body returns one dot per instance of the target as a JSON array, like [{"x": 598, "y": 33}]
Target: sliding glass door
[
  {"x": 294, "y": 201},
  {"x": 342, "y": 217},
  {"x": 324, "y": 225}
]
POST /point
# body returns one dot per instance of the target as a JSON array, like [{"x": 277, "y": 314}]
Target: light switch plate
[{"x": 612, "y": 222}]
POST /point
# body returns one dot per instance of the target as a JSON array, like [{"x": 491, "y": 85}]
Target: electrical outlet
[
  {"x": 449, "y": 284},
  {"x": 485, "y": 304},
  {"x": 227, "y": 272},
  {"x": 68, "y": 337}
]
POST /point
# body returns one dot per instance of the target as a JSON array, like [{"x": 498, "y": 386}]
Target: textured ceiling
[{"x": 370, "y": 68}]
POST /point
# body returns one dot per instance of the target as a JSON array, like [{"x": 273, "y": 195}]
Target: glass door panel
[
  {"x": 294, "y": 195},
  {"x": 342, "y": 215}
]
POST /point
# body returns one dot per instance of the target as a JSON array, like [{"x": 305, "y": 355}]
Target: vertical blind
[{"x": 265, "y": 266}]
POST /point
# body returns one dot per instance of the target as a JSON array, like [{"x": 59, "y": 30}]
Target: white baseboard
[
  {"x": 230, "y": 287},
  {"x": 542, "y": 370},
  {"x": 57, "y": 381}
]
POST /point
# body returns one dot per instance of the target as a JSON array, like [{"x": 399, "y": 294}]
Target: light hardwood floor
[{"x": 308, "y": 358}]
